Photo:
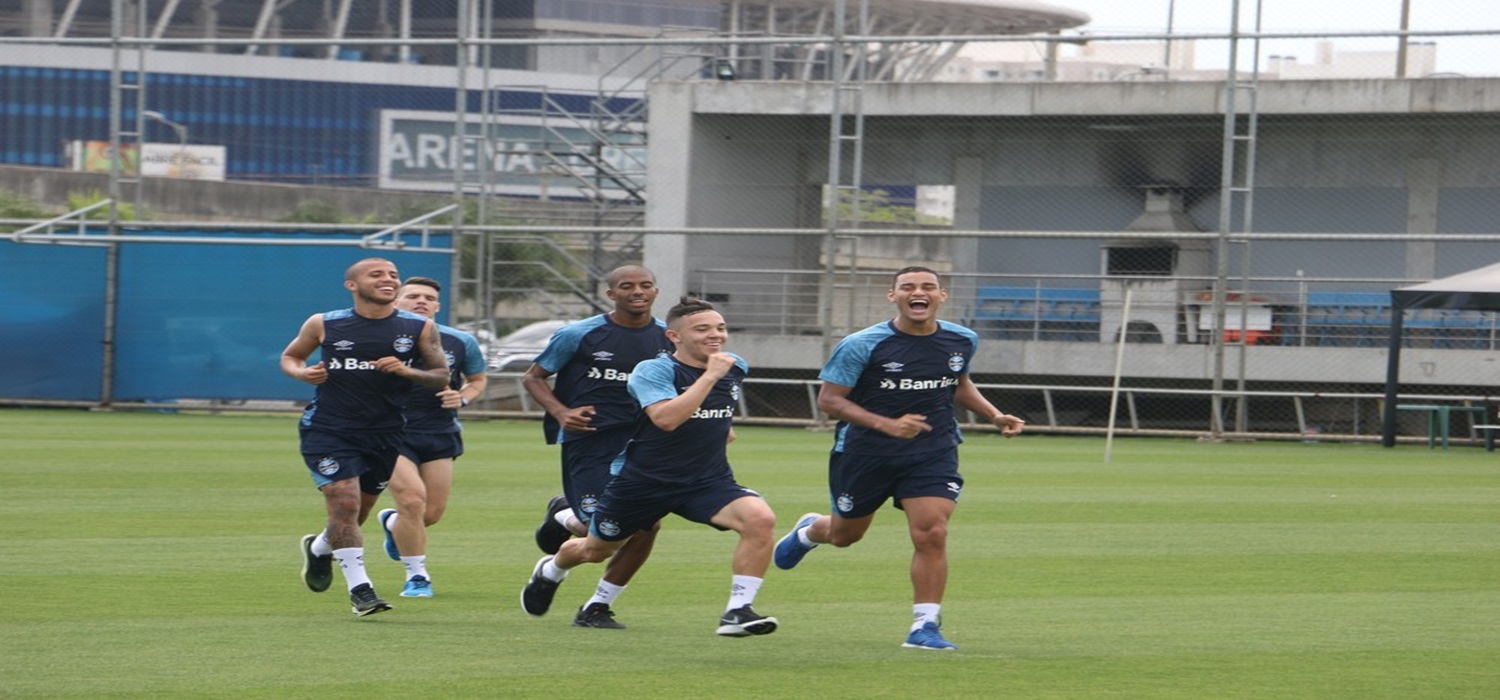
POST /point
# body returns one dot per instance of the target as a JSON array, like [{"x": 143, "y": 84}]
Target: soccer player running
[
  {"x": 892, "y": 388},
  {"x": 676, "y": 462},
  {"x": 421, "y": 486},
  {"x": 351, "y": 433},
  {"x": 592, "y": 414}
]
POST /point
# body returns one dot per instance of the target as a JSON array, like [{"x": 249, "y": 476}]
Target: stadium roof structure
[
  {"x": 336, "y": 21},
  {"x": 924, "y": 17},
  {"x": 900, "y": 61}
]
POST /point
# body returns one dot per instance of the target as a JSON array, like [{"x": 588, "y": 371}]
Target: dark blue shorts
[
  {"x": 860, "y": 484},
  {"x": 434, "y": 446},
  {"x": 369, "y": 457},
  {"x": 631, "y": 505},
  {"x": 585, "y": 467}
]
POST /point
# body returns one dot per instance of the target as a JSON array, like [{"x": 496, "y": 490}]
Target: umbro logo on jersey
[
  {"x": 604, "y": 356},
  {"x": 893, "y": 366},
  {"x": 344, "y": 345}
]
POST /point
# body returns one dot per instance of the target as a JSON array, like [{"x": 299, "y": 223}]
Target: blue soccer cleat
[
  {"x": 390, "y": 540},
  {"x": 790, "y": 550},
  {"x": 928, "y": 636},
  {"x": 417, "y": 587}
]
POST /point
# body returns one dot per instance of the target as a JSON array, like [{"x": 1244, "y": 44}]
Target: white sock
[
  {"x": 923, "y": 613},
  {"x": 804, "y": 539},
  {"x": 743, "y": 591},
  {"x": 415, "y": 566},
  {"x": 553, "y": 572},
  {"x": 562, "y": 516},
  {"x": 390, "y": 523},
  {"x": 352, "y": 561},
  {"x": 605, "y": 592},
  {"x": 320, "y": 545}
]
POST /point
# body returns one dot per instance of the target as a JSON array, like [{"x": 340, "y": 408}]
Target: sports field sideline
[{"x": 155, "y": 555}]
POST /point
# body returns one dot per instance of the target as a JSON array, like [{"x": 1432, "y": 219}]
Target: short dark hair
[
  {"x": 613, "y": 278},
  {"x": 425, "y": 282},
  {"x": 353, "y": 270},
  {"x": 915, "y": 268},
  {"x": 687, "y": 306}
]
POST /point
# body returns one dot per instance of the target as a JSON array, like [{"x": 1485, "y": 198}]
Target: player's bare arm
[
  {"x": 672, "y": 413},
  {"x": 472, "y": 389},
  {"x": 430, "y": 350},
  {"x": 834, "y": 401},
  {"x": 577, "y": 419},
  {"x": 294, "y": 357},
  {"x": 967, "y": 395}
]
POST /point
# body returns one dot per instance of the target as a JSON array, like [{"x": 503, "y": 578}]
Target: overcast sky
[{"x": 1467, "y": 55}]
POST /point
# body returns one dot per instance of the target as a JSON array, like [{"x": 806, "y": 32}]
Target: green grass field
[{"x": 154, "y": 555}]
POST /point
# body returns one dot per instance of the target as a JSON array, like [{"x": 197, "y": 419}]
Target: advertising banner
[
  {"x": 191, "y": 162},
  {"x": 554, "y": 158}
]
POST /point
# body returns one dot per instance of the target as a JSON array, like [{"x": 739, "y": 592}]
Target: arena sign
[{"x": 504, "y": 154}]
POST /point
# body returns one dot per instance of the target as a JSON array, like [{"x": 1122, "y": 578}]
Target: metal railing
[{"x": 1359, "y": 423}]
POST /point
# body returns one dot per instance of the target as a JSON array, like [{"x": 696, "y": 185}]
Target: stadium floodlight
[
  {"x": 180, "y": 163},
  {"x": 180, "y": 128}
]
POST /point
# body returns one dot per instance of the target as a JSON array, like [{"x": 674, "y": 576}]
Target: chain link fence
[{"x": 1245, "y": 263}]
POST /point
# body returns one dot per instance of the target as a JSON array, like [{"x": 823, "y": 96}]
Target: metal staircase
[{"x": 595, "y": 155}]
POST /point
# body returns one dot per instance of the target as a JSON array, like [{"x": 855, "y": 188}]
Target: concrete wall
[
  {"x": 167, "y": 199},
  {"x": 1334, "y": 157}
]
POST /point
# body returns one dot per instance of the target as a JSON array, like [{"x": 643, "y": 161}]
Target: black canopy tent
[{"x": 1476, "y": 289}]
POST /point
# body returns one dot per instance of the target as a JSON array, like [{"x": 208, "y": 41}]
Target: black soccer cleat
[
  {"x": 536, "y": 597},
  {"x": 744, "y": 622},
  {"x": 597, "y": 616},
  {"x": 366, "y": 601},
  {"x": 551, "y": 535},
  {"x": 317, "y": 572}
]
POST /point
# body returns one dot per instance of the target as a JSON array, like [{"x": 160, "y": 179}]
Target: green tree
[
  {"x": 14, "y": 205},
  {"x": 80, "y": 200}
]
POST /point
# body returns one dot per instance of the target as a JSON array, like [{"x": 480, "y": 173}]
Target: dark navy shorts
[
  {"x": 585, "y": 467},
  {"x": 369, "y": 457},
  {"x": 434, "y": 446},
  {"x": 631, "y": 505},
  {"x": 860, "y": 484}
]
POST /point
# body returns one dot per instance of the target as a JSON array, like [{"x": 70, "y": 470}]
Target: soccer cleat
[
  {"x": 597, "y": 616},
  {"x": 551, "y": 535},
  {"x": 928, "y": 636},
  {"x": 417, "y": 587},
  {"x": 317, "y": 571},
  {"x": 390, "y": 540},
  {"x": 790, "y": 550},
  {"x": 366, "y": 602},
  {"x": 536, "y": 597},
  {"x": 743, "y": 622}
]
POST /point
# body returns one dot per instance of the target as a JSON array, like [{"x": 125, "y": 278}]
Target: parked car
[{"x": 514, "y": 351}]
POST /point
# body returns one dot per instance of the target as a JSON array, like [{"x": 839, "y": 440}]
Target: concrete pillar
[
  {"x": 968, "y": 184},
  {"x": 669, "y": 151},
  {"x": 38, "y": 17},
  {"x": 1423, "y": 175}
]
